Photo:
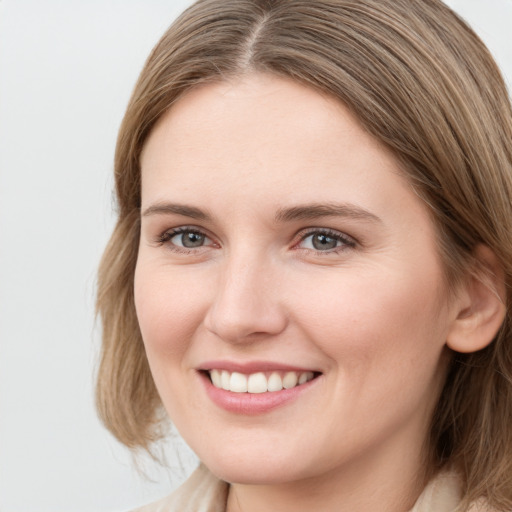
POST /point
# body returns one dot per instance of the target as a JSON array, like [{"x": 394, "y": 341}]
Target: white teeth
[
  {"x": 216, "y": 378},
  {"x": 224, "y": 380},
  {"x": 275, "y": 383},
  {"x": 238, "y": 383},
  {"x": 290, "y": 380},
  {"x": 305, "y": 377},
  {"x": 257, "y": 382}
]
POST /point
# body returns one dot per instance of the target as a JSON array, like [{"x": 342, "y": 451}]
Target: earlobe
[{"x": 481, "y": 305}]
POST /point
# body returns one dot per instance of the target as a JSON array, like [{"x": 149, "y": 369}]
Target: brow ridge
[
  {"x": 288, "y": 214},
  {"x": 176, "y": 209},
  {"x": 318, "y": 210}
]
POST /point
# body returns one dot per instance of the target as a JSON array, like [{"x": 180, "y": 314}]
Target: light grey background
[{"x": 67, "y": 68}]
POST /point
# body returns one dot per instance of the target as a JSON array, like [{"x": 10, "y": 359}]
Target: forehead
[
  {"x": 259, "y": 134},
  {"x": 256, "y": 107}
]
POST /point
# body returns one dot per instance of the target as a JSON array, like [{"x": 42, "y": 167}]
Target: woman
[{"x": 311, "y": 270}]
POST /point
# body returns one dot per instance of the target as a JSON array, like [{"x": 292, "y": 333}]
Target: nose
[{"x": 246, "y": 304}]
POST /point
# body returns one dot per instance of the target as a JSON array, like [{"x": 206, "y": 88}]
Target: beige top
[{"x": 203, "y": 492}]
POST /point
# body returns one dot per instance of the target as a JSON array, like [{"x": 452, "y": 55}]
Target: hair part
[{"x": 421, "y": 82}]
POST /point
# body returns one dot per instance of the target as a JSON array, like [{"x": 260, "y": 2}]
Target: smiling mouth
[{"x": 259, "y": 382}]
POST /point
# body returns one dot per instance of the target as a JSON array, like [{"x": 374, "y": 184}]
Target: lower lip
[{"x": 253, "y": 403}]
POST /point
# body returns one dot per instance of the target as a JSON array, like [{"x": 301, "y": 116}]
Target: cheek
[
  {"x": 385, "y": 342},
  {"x": 168, "y": 312},
  {"x": 382, "y": 321}
]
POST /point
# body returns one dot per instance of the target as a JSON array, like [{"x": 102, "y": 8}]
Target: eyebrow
[
  {"x": 293, "y": 213},
  {"x": 176, "y": 209},
  {"x": 315, "y": 211}
]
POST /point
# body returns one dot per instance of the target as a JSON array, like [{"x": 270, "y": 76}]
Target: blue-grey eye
[
  {"x": 325, "y": 241},
  {"x": 322, "y": 242},
  {"x": 189, "y": 239}
]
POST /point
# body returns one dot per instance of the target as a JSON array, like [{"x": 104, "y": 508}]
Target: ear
[{"x": 480, "y": 305}]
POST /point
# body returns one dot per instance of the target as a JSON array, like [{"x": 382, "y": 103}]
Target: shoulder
[
  {"x": 444, "y": 494},
  {"x": 201, "y": 492},
  {"x": 481, "y": 505}
]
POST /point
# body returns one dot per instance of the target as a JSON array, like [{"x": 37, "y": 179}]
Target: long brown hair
[{"x": 419, "y": 80}]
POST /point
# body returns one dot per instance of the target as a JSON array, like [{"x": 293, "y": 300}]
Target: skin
[{"x": 371, "y": 314}]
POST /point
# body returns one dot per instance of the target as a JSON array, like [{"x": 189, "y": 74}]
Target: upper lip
[{"x": 252, "y": 366}]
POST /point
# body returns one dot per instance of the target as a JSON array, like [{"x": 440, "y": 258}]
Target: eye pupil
[
  {"x": 191, "y": 239},
  {"x": 323, "y": 242}
]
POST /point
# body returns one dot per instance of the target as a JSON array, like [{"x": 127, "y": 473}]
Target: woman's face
[{"x": 280, "y": 246}]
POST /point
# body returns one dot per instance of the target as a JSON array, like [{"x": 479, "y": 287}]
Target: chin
[
  {"x": 244, "y": 467},
  {"x": 245, "y": 472}
]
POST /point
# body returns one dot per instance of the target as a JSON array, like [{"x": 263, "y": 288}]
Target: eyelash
[
  {"x": 347, "y": 241},
  {"x": 166, "y": 237}
]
